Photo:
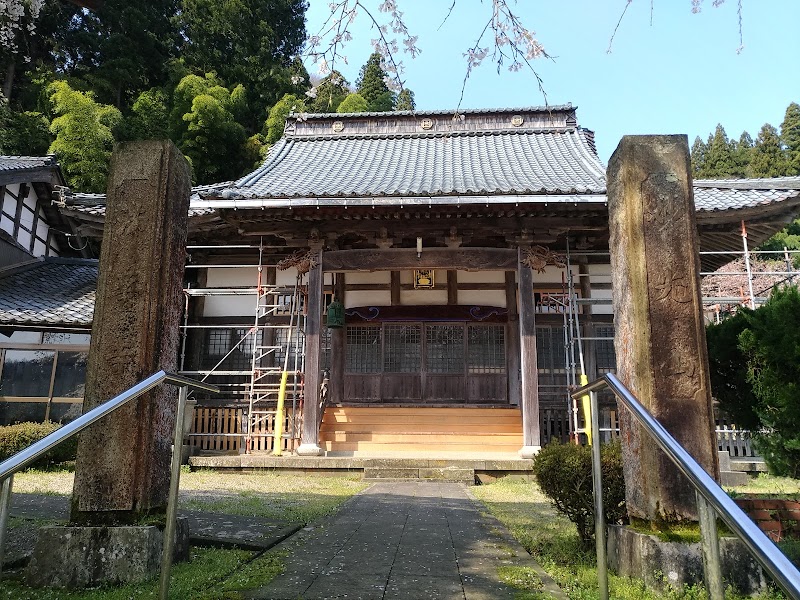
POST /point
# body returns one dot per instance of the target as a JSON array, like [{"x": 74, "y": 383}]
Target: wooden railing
[{"x": 222, "y": 429}]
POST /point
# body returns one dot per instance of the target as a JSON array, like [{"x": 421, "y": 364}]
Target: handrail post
[
  {"x": 168, "y": 545},
  {"x": 711, "y": 561},
  {"x": 5, "y": 509},
  {"x": 599, "y": 513}
]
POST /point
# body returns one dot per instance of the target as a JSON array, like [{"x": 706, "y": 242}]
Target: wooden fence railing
[{"x": 223, "y": 429}]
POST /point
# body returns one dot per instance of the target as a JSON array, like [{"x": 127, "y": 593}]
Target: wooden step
[{"x": 422, "y": 429}]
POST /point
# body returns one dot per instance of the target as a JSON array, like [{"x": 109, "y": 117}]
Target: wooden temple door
[
  {"x": 443, "y": 371},
  {"x": 402, "y": 363}
]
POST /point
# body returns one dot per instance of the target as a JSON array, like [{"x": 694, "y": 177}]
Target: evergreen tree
[
  {"x": 790, "y": 136},
  {"x": 276, "y": 121},
  {"x": 371, "y": 85},
  {"x": 249, "y": 42},
  {"x": 769, "y": 159},
  {"x": 25, "y": 133},
  {"x": 405, "y": 100},
  {"x": 743, "y": 154},
  {"x": 329, "y": 93},
  {"x": 698, "y": 157},
  {"x": 719, "y": 162},
  {"x": 121, "y": 48},
  {"x": 84, "y": 138},
  {"x": 354, "y": 103}
]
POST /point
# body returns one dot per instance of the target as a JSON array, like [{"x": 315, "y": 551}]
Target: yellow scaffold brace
[
  {"x": 277, "y": 441},
  {"x": 586, "y": 404}
]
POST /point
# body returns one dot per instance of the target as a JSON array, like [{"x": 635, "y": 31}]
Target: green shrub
[
  {"x": 564, "y": 474},
  {"x": 19, "y": 436}
]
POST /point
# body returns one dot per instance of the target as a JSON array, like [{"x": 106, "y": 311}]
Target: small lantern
[{"x": 335, "y": 315}]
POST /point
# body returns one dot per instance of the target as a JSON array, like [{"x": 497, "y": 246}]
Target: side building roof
[{"x": 49, "y": 293}]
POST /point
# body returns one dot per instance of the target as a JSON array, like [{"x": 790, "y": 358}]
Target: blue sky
[{"x": 680, "y": 75}]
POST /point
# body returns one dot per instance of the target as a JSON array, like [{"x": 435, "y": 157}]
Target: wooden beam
[
  {"x": 529, "y": 367},
  {"x": 394, "y": 259},
  {"x": 309, "y": 441}
]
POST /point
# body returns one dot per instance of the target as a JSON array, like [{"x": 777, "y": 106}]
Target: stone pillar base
[
  {"x": 529, "y": 451},
  {"x": 675, "y": 564},
  {"x": 79, "y": 557},
  {"x": 309, "y": 450}
]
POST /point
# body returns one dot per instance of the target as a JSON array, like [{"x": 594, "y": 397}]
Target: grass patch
[
  {"x": 524, "y": 579},
  {"x": 553, "y": 541},
  {"x": 210, "y": 574},
  {"x": 769, "y": 485}
]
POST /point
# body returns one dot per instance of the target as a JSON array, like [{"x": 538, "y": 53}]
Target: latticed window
[
  {"x": 552, "y": 363},
  {"x": 604, "y": 349},
  {"x": 445, "y": 348},
  {"x": 236, "y": 341},
  {"x": 403, "y": 348},
  {"x": 486, "y": 349},
  {"x": 363, "y": 349}
]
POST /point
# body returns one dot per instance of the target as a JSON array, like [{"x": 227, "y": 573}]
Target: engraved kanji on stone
[{"x": 673, "y": 286}]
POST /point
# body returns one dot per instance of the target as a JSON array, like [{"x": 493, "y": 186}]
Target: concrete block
[
  {"x": 387, "y": 473},
  {"x": 79, "y": 557},
  {"x": 448, "y": 474},
  {"x": 733, "y": 478},
  {"x": 674, "y": 564}
]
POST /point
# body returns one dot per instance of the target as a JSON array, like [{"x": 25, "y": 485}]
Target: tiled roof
[
  {"x": 52, "y": 292},
  {"x": 427, "y": 113},
  {"x": 713, "y": 195},
  {"x": 489, "y": 163},
  {"x": 14, "y": 163}
]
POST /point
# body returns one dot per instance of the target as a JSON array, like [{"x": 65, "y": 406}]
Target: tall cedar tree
[
  {"x": 248, "y": 42},
  {"x": 790, "y": 136},
  {"x": 698, "y": 156},
  {"x": 743, "y": 154},
  {"x": 719, "y": 161},
  {"x": 329, "y": 93},
  {"x": 405, "y": 100},
  {"x": 768, "y": 157},
  {"x": 120, "y": 49},
  {"x": 371, "y": 85}
]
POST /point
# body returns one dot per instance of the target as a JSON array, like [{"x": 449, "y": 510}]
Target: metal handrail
[
  {"x": 709, "y": 495},
  {"x": 29, "y": 455}
]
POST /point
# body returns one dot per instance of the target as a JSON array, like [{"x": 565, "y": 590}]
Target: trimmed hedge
[
  {"x": 564, "y": 473},
  {"x": 17, "y": 437}
]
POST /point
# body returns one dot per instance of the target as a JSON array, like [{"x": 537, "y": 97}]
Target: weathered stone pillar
[
  {"x": 529, "y": 379},
  {"x": 309, "y": 440},
  {"x": 122, "y": 469},
  {"x": 660, "y": 337}
]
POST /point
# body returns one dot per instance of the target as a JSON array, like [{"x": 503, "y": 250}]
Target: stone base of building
[
  {"x": 529, "y": 451},
  {"x": 674, "y": 564},
  {"x": 309, "y": 450},
  {"x": 79, "y": 557}
]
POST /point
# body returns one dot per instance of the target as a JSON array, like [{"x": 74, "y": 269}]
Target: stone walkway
[{"x": 403, "y": 540}]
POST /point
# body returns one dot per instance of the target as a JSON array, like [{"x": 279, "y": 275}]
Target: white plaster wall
[
  {"x": 377, "y": 277},
  {"x": 367, "y": 298},
  {"x": 22, "y": 337},
  {"x": 601, "y": 274},
  {"x": 430, "y": 297},
  {"x": 231, "y": 277},
  {"x": 483, "y": 297},
  {"x": 481, "y": 277}
]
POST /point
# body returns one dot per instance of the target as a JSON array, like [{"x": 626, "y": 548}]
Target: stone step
[{"x": 450, "y": 474}]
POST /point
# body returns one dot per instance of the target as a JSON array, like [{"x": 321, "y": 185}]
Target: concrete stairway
[{"x": 420, "y": 431}]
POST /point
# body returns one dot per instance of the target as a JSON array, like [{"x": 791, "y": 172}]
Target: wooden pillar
[
  {"x": 660, "y": 335},
  {"x": 529, "y": 368},
  {"x": 452, "y": 287},
  {"x": 309, "y": 441},
  {"x": 512, "y": 341},
  {"x": 395, "y": 287},
  {"x": 338, "y": 346},
  {"x": 122, "y": 470}
]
